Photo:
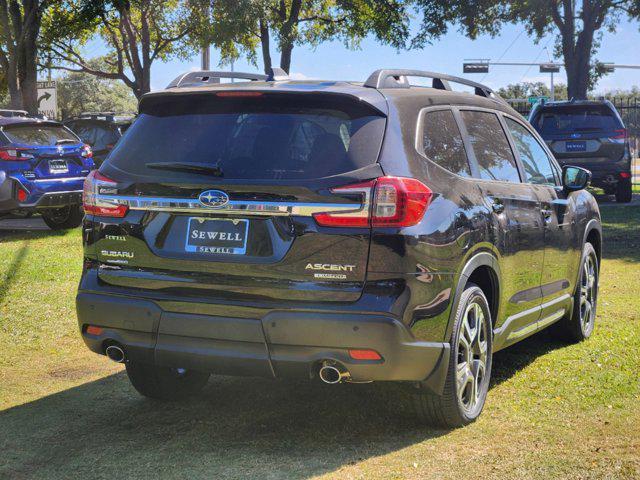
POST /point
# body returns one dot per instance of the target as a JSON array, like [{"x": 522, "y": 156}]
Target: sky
[{"x": 332, "y": 61}]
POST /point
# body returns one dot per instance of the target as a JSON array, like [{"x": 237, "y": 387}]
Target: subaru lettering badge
[{"x": 213, "y": 198}]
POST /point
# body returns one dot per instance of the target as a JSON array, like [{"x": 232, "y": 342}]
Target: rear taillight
[
  {"x": 620, "y": 136},
  {"x": 22, "y": 195},
  {"x": 91, "y": 201},
  {"x": 386, "y": 202},
  {"x": 86, "y": 151},
  {"x": 14, "y": 154},
  {"x": 625, "y": 175}
]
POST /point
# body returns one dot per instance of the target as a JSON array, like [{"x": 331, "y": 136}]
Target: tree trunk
[
  {"x": 285, "y": 57},
  {"x": 266, "y": 49}
]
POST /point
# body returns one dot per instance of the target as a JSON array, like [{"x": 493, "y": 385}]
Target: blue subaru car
[{"x": 43, "y": 165}]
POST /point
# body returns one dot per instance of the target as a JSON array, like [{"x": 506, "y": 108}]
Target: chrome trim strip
[
  {"x": 245, "y": 207},
  {"x": 64, "y": 179}
]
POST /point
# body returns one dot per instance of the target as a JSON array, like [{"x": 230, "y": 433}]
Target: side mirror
[{"x": 575, "y": 178}]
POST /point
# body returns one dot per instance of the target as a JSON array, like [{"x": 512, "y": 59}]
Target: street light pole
[{"x": 553, "y": 90}]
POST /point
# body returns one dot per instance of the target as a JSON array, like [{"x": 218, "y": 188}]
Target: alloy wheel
[
  {"x": 472, "y": 357},
  {"x": 588, "y": 295}
]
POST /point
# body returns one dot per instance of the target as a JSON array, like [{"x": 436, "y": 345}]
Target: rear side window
[
  {"x": 576, "y": 118},
  {"x": 490, "y": 146},
  {"x": 264, "y": 137},
  {"x": 537, "y": 165},
  {"x": 442, "y": 142},
  {"x": 38, "y": 134}
]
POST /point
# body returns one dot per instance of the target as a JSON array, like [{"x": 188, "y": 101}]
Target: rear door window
[
  {"x": 263, "y": 137},
  {"x": 442, "y": 142},
  {"x": 490, "y": 146},
  {"x": 576, "y": 118},
  {"x": 536, "y": 162}
]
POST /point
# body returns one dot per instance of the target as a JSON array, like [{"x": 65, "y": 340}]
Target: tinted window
[
  {"x": 267, "y": 137},
  {"x": 442, "y": 142},
  {"x": 575, "y": 118},
  {"x": 491, "y": 147},
  {"x": 38, "y": 134},
  {"x": 100, "y": 137},
  {"x": 537, "y": 166}
]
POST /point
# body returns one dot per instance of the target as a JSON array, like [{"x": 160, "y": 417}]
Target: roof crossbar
[
  {"x": 397, "y": 78},
  {"x": 206, "y": 77}
]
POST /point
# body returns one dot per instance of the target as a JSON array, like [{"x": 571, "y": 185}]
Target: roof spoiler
[
  {"x": 397, "y": 78},
  {"x": 207, "y": 77}
]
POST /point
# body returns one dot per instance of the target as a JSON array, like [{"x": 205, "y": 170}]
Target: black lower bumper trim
[{"x": 288, "y": 344}]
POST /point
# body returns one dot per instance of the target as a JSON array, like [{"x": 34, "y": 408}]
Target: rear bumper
[
  {"x": 287, "y": 344},
  {"x": 604, "y": 173},
  {"x": 40, "y": 195}
]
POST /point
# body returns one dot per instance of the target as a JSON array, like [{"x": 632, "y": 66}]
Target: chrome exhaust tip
[
  {"x": 333, "y": 372},
  {"x": 115, "y": 353}
]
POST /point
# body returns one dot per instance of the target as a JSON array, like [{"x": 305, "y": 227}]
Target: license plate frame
[
  {"x": 58, "y": 166},
  {"x": 575, "y": 146},
  {"x": 207, "y": 240}
]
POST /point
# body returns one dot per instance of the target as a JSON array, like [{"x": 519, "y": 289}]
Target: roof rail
[
  {"x": 206, "y": 77},
  {"x": 13, "y": 113},
  {"x": 397, "y": 78}
]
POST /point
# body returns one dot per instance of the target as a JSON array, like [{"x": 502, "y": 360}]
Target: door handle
[{"x": 497, "y": 205}]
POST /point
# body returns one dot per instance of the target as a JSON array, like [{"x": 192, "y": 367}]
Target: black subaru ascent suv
[{"x": 338, "y": 231}]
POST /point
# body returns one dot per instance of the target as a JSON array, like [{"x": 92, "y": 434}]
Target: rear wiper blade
[
  {"x": 65, "y": 141},
  {"x": 190, "y": 167}
]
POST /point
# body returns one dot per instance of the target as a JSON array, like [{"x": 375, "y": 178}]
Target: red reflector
[
  {"x": 22, "y": 195},
  {"x": 364, "y": 355},
  {"x": 239, "y": 94},
  {"x": 93, "y": 330},
  {"x": 625, "y": 175}
]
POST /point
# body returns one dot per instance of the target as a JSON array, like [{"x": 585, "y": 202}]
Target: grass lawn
[{"x": 554, "y": 410}]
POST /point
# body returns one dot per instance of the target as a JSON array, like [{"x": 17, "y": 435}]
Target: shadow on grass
[
  {"x": 14, "y": 266},
  {"x": 238, "y": 428},
  {"x": 621, "y": 233}
]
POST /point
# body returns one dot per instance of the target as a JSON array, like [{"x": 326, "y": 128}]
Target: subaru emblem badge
[{"x": 213, "y": 198}]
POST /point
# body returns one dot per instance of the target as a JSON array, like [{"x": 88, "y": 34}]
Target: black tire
[
  {"x": 575, "y": 327},
  {"x": 449, "y": 409},
  {"x": 163, "y": 383},
  {"x": 624, "y": 191},
  {"x": 63, "y": 218}
]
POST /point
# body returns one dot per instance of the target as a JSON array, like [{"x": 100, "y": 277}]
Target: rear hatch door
[
  {"x": 587, "y": 135},
  {"x": 222, "y": 192}
]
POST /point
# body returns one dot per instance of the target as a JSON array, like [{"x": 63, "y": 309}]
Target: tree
[
  {"x": 528, "y": 89},
  {"x": 83, "y": 92},
  {"x": 579, "y": 25},
  {"x": 136, "y": 32},
  {"x": 20, "y": 23},
  {"x": 241, "y": 26}
]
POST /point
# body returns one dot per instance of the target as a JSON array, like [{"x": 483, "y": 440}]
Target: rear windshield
[
  {"x": 38, "y": 135},
  {"x": 576, "y": 118},
  {"x": 264, "y": 137},
  {"x": 99, "y": 136}
]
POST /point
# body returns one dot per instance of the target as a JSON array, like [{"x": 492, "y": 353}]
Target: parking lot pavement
[{"x": 32, "y": 223}]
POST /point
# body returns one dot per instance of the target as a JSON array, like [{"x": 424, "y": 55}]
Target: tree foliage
[
  {"x": 137, "y": 33},
  {"x": 83, "y": 92},
  {"x": 241, "y": 27},
  {"x": 578, "y": 25},
  {"x": 527, "y": 89},
  {"x": 20, "y": 22}
]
